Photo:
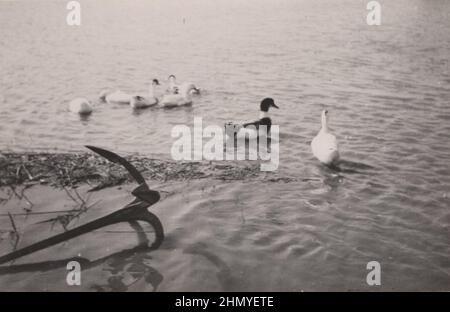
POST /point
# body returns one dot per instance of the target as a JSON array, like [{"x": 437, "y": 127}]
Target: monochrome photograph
[{"x": 224, "y": 146}]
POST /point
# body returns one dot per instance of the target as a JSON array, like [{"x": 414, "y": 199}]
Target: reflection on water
[
  {"x": 120, "y": 266},
  {"x": 307, "y": 227},
  {"x": 224, "y": 274}
]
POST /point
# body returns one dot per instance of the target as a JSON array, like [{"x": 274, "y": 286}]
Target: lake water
[{"x": 387, "y": 89}]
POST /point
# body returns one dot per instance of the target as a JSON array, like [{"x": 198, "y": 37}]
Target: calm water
[{"x": 387, "y": 89}]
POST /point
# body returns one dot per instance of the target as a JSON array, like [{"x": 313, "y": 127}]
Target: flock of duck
[
  {"x": 324, "y": 145},
  {"x": 175, "y": 95}
]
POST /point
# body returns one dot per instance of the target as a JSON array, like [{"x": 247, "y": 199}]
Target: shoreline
[{"x": 74, "y": 169}]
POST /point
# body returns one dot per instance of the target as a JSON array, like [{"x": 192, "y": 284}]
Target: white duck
[
  {"x": 174, "y": 88},
  {"x": 324, "y": 145},
  {"x": 116, "y": 97},
  {"x": 80, "y": 106},
  {"x": 148, "y": 100},
  {"x": 183, "y": 97}
]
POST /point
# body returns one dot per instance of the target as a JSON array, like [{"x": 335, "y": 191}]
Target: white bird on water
[
  {"x": 324, "y": 145},
  {"x": 80, "y": 106},
  {"x": 175, "y": 88},
  {"x": 116, "y": 97},
  {"x": 148, "y": 100},
  {"x": 183, "y": 97}
]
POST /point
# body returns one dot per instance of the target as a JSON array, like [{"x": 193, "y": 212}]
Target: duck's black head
[{"x": 267, "y": 103}]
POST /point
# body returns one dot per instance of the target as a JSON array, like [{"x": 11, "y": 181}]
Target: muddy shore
[{"x": 73, "y": 169}]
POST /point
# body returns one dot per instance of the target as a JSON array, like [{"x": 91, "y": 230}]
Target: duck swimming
[
  {"x": 182, "y": 98},
  {"x": 116, "y": 97},
  {"x": 324, "y": 145},
  {"x": 148, "y": 100},
  {"x": 252, "y": 128},
  {"x": 174, "y": 88},
  {"x": 80, "y": 106}
]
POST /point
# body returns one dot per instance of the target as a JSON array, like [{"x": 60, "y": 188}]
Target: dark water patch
[{"x": 348, "y": 167}]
